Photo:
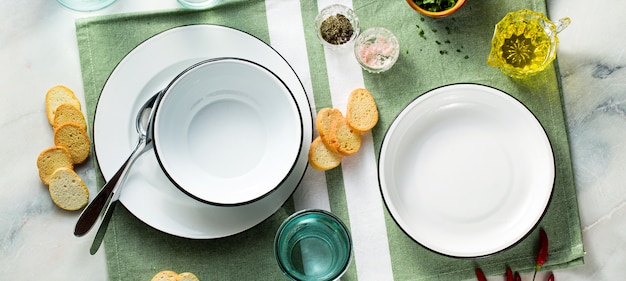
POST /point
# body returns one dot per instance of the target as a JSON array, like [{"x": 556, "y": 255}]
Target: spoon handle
[
  {"x": 90, "y": 214},
  {"x": 115, "y": 195},
  {"x": 97, "y": 241}
]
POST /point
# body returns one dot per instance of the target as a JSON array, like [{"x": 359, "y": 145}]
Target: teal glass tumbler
[
  {"x": 86, "y": 5},
  {"x": 313, "y": 245}
]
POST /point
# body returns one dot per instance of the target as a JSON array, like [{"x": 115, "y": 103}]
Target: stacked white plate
[{"x": 149, "y": 194}]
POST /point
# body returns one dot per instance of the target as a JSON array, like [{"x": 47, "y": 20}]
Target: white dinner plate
[
  {"x": 466, "y": 170},
  {"x": 148, "y": 68}
]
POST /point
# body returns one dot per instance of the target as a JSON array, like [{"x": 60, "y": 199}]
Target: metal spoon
[{"x": 107, "y": 198}]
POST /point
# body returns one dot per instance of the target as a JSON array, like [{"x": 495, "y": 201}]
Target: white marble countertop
[{"x": 38, "y": 49}]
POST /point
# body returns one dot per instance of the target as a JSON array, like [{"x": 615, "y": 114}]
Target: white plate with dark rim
[
  {"x": 147, "y": 69},
  {"x": 466, "y": 170}
]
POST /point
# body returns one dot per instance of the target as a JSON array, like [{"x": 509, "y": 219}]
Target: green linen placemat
[
  {"x": 434, "y": 52},
  {"x": 134, "y": 250}
]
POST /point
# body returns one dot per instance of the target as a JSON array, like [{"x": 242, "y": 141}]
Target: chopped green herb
[
  {"x": 435, "y": 5},
  {"x": 421, "y": 33},
  {"x": 448, "y": 30},
  {"x": 466, "y": 57},
  {"x": 447, "y": 42},
  {"x": 438, "y": 43},
  {"x": 434, "y": 30}
]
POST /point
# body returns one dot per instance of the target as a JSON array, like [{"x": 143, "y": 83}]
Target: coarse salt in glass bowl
[{"x": 376, "y": 49}]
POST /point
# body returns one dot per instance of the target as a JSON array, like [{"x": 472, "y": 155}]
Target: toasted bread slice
[
  {"x": 361, "y": 113},
  {"x": 321, "y": 158},
  {"x": 57, "y": 96},
  {"x": 165, "y": 275},
  {"x": 51, "y": 159},
  {"x": 67, "y": 190},
  {"x": 74, "y": 139},
  {"x": 324, "y": 123},
  {"x": 69, "y": 113},
  {"x": 187, "y": 276},
  {"x": 343, "y": 139}
]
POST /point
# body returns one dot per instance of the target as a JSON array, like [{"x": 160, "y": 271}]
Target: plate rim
[
  {"x": 393, "y": 216},
  {"x": 280, "y": 60}
]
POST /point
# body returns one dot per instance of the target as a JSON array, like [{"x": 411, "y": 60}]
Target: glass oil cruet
[{"x": 524, "y": 43}]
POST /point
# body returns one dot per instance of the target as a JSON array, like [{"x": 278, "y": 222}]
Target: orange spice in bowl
[{"x": 436, "y": 14}]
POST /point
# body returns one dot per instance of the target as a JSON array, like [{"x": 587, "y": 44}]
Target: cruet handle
[{"x": 562, "y": 23}]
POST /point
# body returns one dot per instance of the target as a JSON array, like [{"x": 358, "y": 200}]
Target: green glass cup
[{"x": 313, "y": 245}]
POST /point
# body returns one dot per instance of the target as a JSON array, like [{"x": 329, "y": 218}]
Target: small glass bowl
[
  {"x": 376, "y": 49},
  {"x": 313, "y": 244},
  {"x": 334, "y": 10}
]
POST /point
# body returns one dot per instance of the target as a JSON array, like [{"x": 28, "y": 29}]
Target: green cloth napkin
[{"x": 434, "y": 52}]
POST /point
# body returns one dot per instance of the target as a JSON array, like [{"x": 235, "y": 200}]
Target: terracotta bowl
[{"x": 447, "y": 12}]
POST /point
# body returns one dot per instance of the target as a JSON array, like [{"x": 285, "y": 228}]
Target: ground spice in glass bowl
[
  {"x": 336, "y": 26},
  {"x": 376, "y": 49}
]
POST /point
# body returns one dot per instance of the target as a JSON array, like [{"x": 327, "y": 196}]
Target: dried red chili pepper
[
  {"x": 509, "y": 274},
  {"x": 542, "y": 255},
  {"x": 551, "y": 278},
  {"x": 480, "y": 275},
  {"x": 517, "y": 276}
]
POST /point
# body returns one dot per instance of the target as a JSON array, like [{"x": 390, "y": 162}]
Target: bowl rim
[
  {"x": 440, "y": 14},
  {"x": 170, "y": 177}
]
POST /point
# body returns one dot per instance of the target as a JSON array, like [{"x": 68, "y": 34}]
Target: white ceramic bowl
[{"x": 227, "y": 131}]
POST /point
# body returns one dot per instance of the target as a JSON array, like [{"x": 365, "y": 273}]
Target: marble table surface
[{"x": 38, "y": 49}]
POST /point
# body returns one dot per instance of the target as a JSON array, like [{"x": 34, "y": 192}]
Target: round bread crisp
[
  {"x": 321, "y": 158},
  {"x": 165, "y": 275},
  {"x": 324, "y": 123},
  {"x": 187, "y": 276},
  {"x": 57, "y": 96},
  {"x": 67, "y": 190},
  {"x": 361, "y": 113},
  {"x": 51, "y": 159},
  {"x": 343, "y": 139},
  {"x": 75, "y": 139},
  {"x": 69, "y": 113}
]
